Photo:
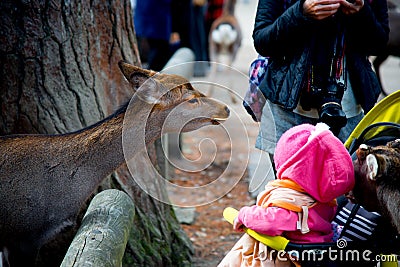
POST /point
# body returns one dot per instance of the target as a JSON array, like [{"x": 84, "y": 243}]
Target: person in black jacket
[
  {"x": 153, "y": 22},
  {"x": 318, "y": 68}
]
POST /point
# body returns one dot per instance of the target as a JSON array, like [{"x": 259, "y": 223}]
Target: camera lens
[
  {"x": 327, "y": 100},
  {"x": 332, "y": 114}
]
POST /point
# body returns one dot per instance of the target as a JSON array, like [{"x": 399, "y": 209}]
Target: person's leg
[
  {"x": 275, "y": 120},
  {"x": 159, "y": 53},
  {"x": 349, "y": 127},
  {"x": 144, "y": 49},
  {"x": 199, "y": 41}
]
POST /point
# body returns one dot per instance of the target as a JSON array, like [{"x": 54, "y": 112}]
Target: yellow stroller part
[
  {"x": 280, "y": 243},
  {"x": 387, "y": 110},
  {"x": 390, "y": 263},
  {"x": 275, "y": 242}
]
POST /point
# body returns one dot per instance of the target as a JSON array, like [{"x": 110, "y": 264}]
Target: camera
[{"x": 328, "y": 102}]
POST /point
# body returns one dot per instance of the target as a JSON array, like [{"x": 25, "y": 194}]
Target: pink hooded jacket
[{"x": 318, "y": 162}]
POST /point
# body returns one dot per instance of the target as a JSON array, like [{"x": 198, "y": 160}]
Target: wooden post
[{"x": 102, "y": 237}]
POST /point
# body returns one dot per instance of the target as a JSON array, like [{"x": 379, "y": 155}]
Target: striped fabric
[{"x": 357, "y": 223}]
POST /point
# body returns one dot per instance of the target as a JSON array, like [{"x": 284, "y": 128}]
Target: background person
[
  {"x": 153, "y": 26},
  {"x": 318, "y": 53}
]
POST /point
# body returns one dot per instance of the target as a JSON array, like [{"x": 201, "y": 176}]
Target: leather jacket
[{"x": 285, "y": 36}]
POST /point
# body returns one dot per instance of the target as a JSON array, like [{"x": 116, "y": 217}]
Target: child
[{"x": 313, "y": 169}]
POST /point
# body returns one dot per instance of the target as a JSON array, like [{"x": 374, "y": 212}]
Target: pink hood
[{"x": 316, "y": 160}]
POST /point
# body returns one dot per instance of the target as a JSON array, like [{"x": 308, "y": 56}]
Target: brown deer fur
[{"x": 46, "y": 179}]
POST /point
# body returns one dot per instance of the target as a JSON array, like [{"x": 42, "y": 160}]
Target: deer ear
[
  {"x": 135, "y": 75},
  {"x": 372, "y": 164},
  {"x": 151, "y": 91}
]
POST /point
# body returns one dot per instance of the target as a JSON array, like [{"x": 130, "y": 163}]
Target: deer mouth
[
  {"x": 200, "y": 122},
  {"x": 217, "y": 121},
  {"x": 213, "y": 121}
]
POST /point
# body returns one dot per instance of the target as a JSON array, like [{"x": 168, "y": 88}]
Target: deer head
[
  {"x": 377, "y": 173},
  {"x": 173, "y": 97}
]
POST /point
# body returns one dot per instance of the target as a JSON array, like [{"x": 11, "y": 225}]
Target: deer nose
[
  {"x": 362, "y": 152},
  {"x": 227, "y": 110}
]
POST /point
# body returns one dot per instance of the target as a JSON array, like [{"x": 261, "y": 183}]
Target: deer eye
[{"x": 193, "y": 100}]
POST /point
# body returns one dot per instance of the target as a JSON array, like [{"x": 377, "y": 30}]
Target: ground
[{"x": 211, "y": 235}]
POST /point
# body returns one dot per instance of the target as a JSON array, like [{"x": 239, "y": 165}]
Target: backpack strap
[
  {"x": 288, "y": 195},
  {"x": 302, "y": 224}
]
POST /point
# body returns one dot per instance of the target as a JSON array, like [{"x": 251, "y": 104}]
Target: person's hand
[
  {"x": 351, "y": 8},
  {"x": 237, "y": 226},
  {"x": 321, "y": 9},
  {"x": 174, "y": 38}
]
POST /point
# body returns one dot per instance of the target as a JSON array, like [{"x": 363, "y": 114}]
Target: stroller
[{"x": 379, "y": 126}]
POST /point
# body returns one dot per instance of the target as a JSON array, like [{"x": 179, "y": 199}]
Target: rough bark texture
[
  {"x": 59, "y": 63},
  {"x": 59, "y": 73}
]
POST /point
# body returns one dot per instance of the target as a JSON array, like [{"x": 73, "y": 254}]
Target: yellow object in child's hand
[{"x": 275, "y": 242}]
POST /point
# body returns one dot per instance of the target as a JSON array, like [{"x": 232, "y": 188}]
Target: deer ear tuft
[{"x": 373, "y": 166}]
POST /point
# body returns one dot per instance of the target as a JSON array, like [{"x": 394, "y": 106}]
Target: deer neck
[{"x": 104, "y": 141}]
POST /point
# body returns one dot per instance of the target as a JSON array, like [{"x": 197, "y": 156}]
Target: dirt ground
[{"x": 211, "y": 235}]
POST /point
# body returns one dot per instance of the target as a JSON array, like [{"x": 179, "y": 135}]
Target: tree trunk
[{"x": 59, "y": 73}]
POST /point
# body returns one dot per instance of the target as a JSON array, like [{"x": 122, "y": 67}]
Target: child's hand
[{"x": 237, "y": 226}]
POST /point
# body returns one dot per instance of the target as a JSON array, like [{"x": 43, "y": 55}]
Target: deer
[
  {"x": 393, "y": 45},
  {"x": 377, "y": 175},
  {"x": 45, "y": 180},
  {"x": 224, "y": 40}
]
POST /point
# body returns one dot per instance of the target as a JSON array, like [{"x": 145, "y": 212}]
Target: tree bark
[
  {"x": 59, "y": 70},
  {"x": 59, "y": 73}
]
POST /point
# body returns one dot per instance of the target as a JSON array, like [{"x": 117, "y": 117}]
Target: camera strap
[
  {"x": 327, "y": 73},
  {"x": 327, "y": 54},
  {"x": 338, "y": 71}
]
